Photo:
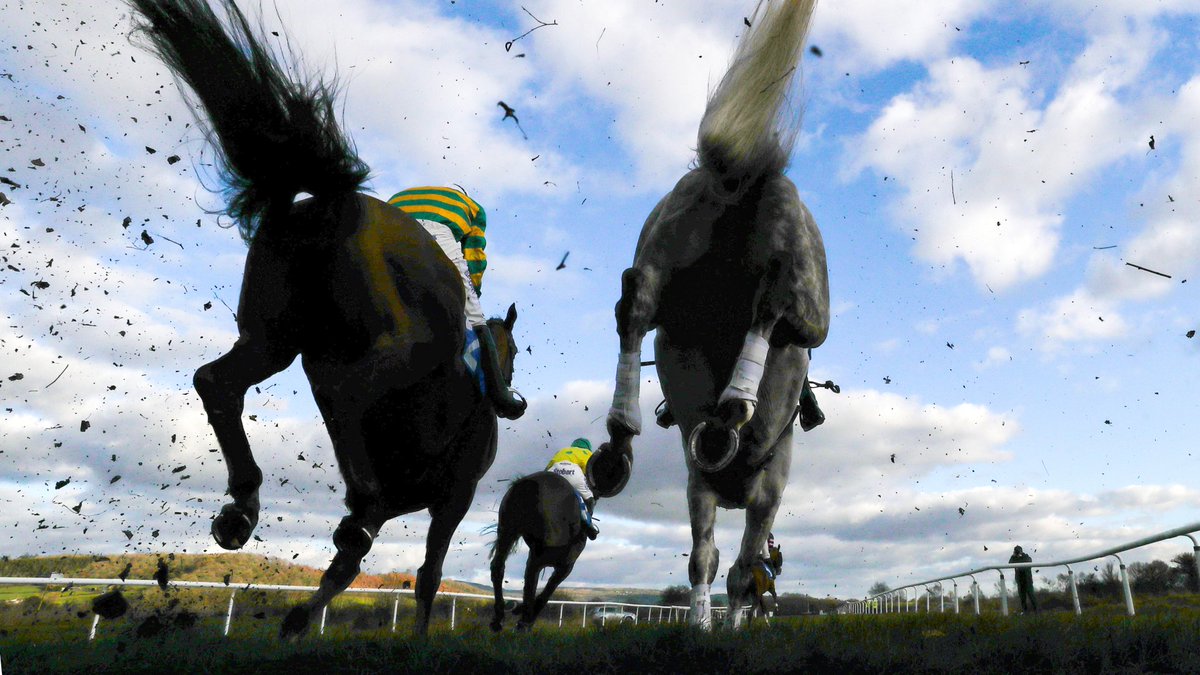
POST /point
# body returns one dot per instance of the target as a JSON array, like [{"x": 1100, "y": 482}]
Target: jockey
[
  {"x": 772, "y": 558},
  {"x": 571, "y": 463},
  {"x": 457, "y": 224}
]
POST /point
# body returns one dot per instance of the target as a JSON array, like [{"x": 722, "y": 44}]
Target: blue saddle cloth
[
  {"x": 767, "y": 568},
  {"x": 583, "y": 510},
  {"x": 473, "y": 359}
]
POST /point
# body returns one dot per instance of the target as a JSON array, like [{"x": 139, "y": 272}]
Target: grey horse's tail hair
[
  {"x": 748, "y": 129},
  {"x": 275, "y": 135}
]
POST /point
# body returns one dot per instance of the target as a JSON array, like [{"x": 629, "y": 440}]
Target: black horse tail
[
  {"x": 516, "y": 518},
  {"x": 747, "y": 130},
  {"x": 275, "y": 137}
]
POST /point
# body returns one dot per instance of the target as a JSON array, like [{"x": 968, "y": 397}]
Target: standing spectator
[{"x": 1024, "y": 576}]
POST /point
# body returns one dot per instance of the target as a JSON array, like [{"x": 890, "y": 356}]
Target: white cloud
[
  {"x": 995, "y": 356},
  {"x": 987, "y": 167},
  {"x": 1168, "y": 242},
  {"x": 652, "y": 65},
  {"x": 870, "y": 35},
  {"x": 1075, "y": 318}
]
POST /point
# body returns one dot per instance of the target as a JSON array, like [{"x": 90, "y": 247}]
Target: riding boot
[
  {"x": 585, "y": 508},
  {"x": 811, "y": 416},
  {"x": 506, "y": 404},
  {"x": 663, "y": 416}
]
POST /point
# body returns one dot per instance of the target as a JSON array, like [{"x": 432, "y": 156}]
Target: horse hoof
[
  {"x": 608, "y": 472},
  {"x": 232, "y": 527},
  {"x": 712, "y": 448},
  {"x": 523, "y": 627},
  {"x": 295, "y": 624},
  {"x": 735, "y": 412},
  {"x": 496, "y": 626}
]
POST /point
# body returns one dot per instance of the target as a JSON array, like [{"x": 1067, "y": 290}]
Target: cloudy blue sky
[{"x": 983, "y": 177}]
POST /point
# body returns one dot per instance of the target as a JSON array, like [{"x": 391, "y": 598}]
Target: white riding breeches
[
  {"x": 445, "y": 239},
  {"x": 574, "y": 476}
]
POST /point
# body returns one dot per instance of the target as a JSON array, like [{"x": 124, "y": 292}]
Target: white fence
[
  {"x": 898, "y": 600},
  {"x": 640, "y": 612}
]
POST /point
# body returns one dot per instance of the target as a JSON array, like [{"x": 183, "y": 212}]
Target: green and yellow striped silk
[{"x": 464, "y": 216}]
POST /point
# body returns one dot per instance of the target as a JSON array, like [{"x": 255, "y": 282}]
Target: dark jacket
[{"x": 1023, "y": 575}]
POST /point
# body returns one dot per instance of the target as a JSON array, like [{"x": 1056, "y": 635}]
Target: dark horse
[
  {"x": 543, "y": 510},
  {"x": 354, "y": 287},
  {"x": 730, "y": 270}
]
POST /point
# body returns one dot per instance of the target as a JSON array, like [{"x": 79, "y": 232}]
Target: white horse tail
[{"x": 748, "y": 129}]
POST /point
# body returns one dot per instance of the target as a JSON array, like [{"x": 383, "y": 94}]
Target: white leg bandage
[
  {"x": 748, "y": 372},
  {"x": 625, "y": 408},
  {"x": 701, "y": 607}
]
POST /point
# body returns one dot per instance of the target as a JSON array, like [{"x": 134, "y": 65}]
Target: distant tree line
[{"x": 1151, "y": 578}]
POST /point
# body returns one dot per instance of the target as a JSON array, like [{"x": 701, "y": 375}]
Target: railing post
[
  {"x": 1003, "y": 595},
  {"x": 453, "y": 610},
  {"x": 1074, "y": 591},
  {"x": 583, "y": 623},
  {"x": 1196, "y": 560},
  {"x": 561, "y": 608},
  {"x": 229, "y": 613},
  {"x": 1196, "y": 557},
  {"x": 975, "y": 594},
  {"x": 95, "y": 622},
  {"x": 395, "y": 611},
  {"x": 942, "y": 598},
  {"x": 1125, "y": 587},
  {"x": 955, "y": 597},
  {"x": 927, "y": 594},
  {"x": 324, "y": 611}
]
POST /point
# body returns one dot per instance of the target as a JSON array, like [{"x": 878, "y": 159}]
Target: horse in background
[
  {"x": 730, "y": 269},
  {"x": 541, "y": 509},
  {"x": 764, "y": 574},
  {"x": 356, "y": 288}
]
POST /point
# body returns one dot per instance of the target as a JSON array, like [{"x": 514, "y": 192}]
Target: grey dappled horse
[
  {"x": 356, "y": 288},
  {"x": 730, "y": 270}
]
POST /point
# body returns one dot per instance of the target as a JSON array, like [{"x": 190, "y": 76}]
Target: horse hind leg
[
  {"x": 702, "y": 564},
  {"x": 444, "y": 520},
  {"x": 351, "y": 548},
  {"x": 528, "y": 609},
  {"x": 760, "y": 516},
  {"x": 561, "y": 572},
  {"x": 505, "y": 541},
  {"x": 222, "y": 386}
]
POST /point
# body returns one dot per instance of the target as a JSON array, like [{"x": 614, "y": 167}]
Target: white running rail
[
  {"x": 653, "y": 613},
  {"x": 898, "y": 600}
]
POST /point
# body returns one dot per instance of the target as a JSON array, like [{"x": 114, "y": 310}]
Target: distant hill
[{"x": 242, "y": 568}]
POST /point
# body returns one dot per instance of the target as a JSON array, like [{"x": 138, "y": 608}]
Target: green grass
[{"x": 1049, "y": 643}]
